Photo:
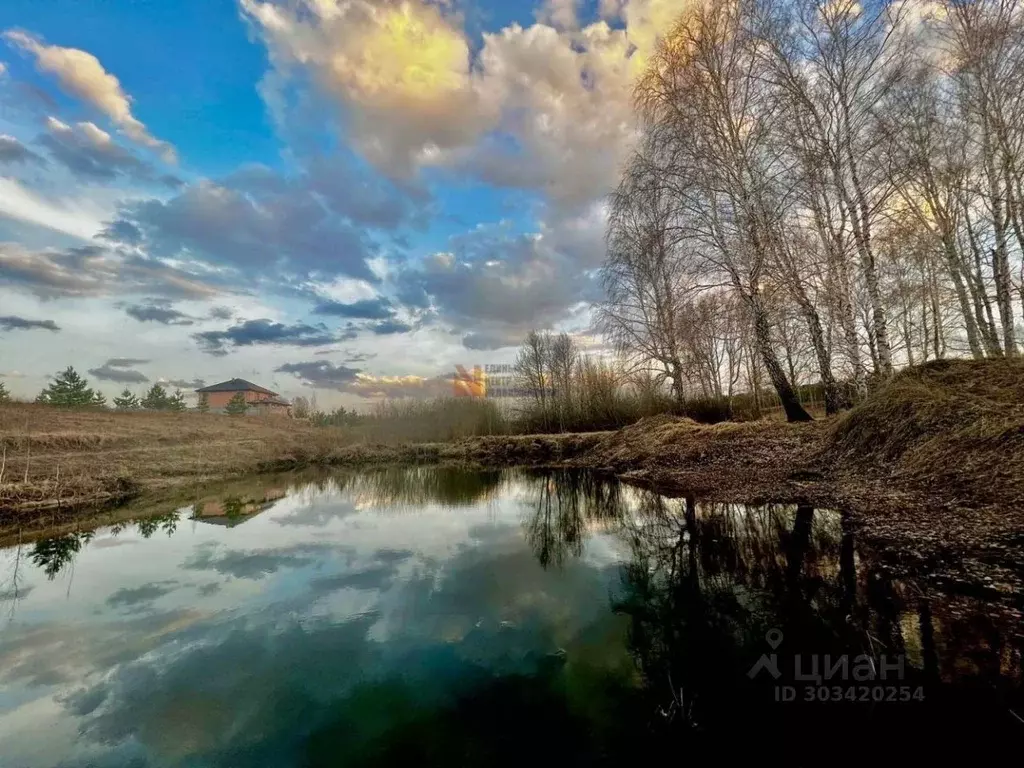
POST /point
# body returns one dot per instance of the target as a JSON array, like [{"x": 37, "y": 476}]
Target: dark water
[{"x": 443, "y": 617}]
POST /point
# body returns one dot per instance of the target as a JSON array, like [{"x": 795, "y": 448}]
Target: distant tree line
[
  {"x": 155, "y": 399},
  {"x": 304, "y": 408},
  {"x": 69, "y": 389}
]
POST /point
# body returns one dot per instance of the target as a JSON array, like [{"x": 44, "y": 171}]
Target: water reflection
[
  {"x": 568, "y": 503},
  {"x": 53, "y": 555},
  {"x": 456, "y": 617},
  {"x": 706, "y": 584}
]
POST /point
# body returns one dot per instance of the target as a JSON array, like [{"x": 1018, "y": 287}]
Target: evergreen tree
[
  {"x": 237, "y": 405},
  {"x": 156, "y": 399},
  {"x": 177, "y": 401},
  {"x": 5, "y": 396},
  {"x": 126, "y": 401},
  {"x": 204, "y": 403},
  {"x": 99, "y": 400},
  {"x": 301, "y": 408},
  {"x": 68, "y": 390}
]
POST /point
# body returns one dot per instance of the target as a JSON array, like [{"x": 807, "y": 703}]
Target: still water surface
[{"x": 439, "y": 616}]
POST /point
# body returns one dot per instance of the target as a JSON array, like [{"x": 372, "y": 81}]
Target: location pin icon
[{"x": 774, "y": 638}]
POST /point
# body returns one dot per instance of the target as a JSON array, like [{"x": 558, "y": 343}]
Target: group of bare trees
[
  {"x": 824, "y": 191},
  {"x": 560, "y": 388}
]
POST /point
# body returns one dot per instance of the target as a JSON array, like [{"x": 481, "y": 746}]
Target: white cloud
[
  {"x": 547, "y": 107},
  {"x": 95, "y": 134},
  {"x": 79, "y": 218},
  {"x": 401, "y": 71},
  {"x": 93, "y": 270},
  {"x": 81, "y": 74},
  {"x": 563, "y": 14}
]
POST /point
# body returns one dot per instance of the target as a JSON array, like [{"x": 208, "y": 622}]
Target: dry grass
[
  {"x": 74, "y": 458},
  {"x": 749, "y": 461},
  {"x": 932, "y": 464},
  {"x": 953, "y": 426},
  {"x": 89, "y": 456}
]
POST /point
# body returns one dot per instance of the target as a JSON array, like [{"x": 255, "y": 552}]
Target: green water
[{"x": 447, "y": 617}]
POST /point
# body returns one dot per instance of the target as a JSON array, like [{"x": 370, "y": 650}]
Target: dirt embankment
[{"x": 931, "y": 465}]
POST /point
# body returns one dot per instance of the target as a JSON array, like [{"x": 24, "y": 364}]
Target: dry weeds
[{"x": 931, "y": 465}]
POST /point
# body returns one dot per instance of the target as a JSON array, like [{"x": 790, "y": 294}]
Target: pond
[{"x": 442, "y": 616}]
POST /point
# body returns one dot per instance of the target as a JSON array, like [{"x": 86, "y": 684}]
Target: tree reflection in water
[
  {"x": 705, "y": 583},
  {"x": 566, "y": 503},
  {"x": 55, "y": 554}
]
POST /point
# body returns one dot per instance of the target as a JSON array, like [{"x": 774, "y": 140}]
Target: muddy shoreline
[{"x": 918, "y": 532}]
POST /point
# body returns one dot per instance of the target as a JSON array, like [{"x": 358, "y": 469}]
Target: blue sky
[{"x": 341, "y": 196}]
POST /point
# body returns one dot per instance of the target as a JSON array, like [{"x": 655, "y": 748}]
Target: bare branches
[{"x": 848, "y": 173}]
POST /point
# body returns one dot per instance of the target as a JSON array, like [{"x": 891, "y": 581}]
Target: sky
[{"x": 346, "y": 197}]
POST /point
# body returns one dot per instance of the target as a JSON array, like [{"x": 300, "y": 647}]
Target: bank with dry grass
[{"x": 933, "y": 461}]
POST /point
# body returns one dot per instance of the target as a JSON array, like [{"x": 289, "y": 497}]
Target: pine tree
[
  {"x": 156, "y": 399},
  {"x": 68, "y": 390},
  {"x": 127, "y": 401},
  {"x": 99, "y": 400},
  {"x": 237, "y": 405},
  {"x": 204, "y": 403},
  {"x": 177, "y": 401},
  {"x": 5, "y": 396}
]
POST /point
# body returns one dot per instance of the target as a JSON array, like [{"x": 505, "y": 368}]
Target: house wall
[
  {"x": 221, "y": 399},
  {"x": 272, "y": 410}
]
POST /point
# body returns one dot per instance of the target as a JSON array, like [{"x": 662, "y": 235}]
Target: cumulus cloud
[
  {"x": 254, "y": 564},
  {"x": 96, "y": 271},
  {"x": 13, "y": 152},
  {"x": 120, "y": 231},
  {"x": 119, "y": 370},
  {"x": 264, "y": 331},
  {"x": 563, "y": 14},
  {"x": 185, "y": 383},
  {"x": 365, "y": 309},
  {"x": 251, "y": 222},
  {"x": 157, "y": 310},
  {"x": 389, "y": 387},
  {"x": 322, "y": 374},
  {"x": 390, "y": 327},
  {"x": 90, "y": 153},
  {"x": 401, "y": 71},
  {"x": 546, "y": 107},
  {"x": 15, "y": 323},
  {"x": 82, "y": 75},
  {"x": 497, "y": 286},
  {"x": 135, "y": 597},
  {"x": 347, "y": 356},
  {"x": 493, "y": 338}
]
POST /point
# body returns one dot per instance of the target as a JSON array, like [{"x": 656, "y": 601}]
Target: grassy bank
[
  {"x": 52, "y": 457},
  {"x": 933, "y": 461},
  {"x": 73, "y": 457}
]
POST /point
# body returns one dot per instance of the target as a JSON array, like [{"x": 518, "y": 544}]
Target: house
[
  {"x": 235, "y": 511},
  {"x": 261, "y": 401}
]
